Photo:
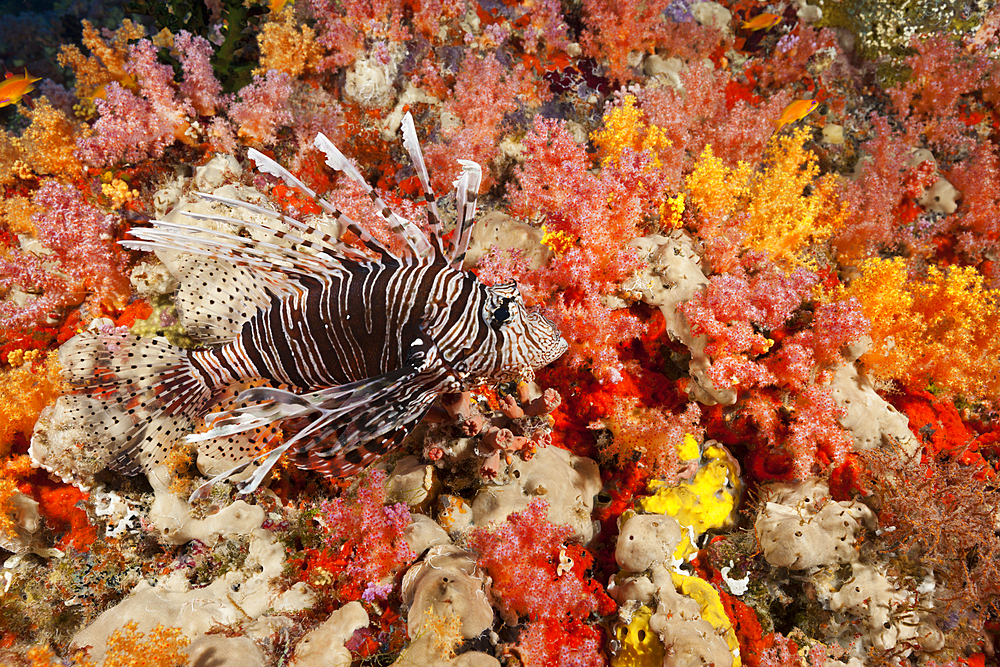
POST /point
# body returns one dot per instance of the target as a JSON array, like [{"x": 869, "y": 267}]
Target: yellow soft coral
[
  {"x": 288, "y": 47},
  {"x": 118, "y": 192},
  {"x": 625, "y": 127},
  {"x": 788, "y": 206},
  {"x": 162, "y": 647},
  {"x": 782, "y": 208},
  {"x": 26, "y": 390},
  {"x": 672, "y": 210},
  {"x": 935, "y": 329},
  {"x": 715, "y": 189},
  {"x": 47, "y": 145},
  {"x": 558, "y": 242}
]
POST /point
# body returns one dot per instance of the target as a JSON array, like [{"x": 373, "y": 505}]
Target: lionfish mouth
[{"x": 551, "y": 349}]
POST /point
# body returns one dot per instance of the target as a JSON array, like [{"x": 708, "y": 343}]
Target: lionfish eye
[{"x": 501, "y": 315}]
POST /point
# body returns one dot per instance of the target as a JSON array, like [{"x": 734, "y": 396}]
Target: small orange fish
[
  {"x": 761, "y": 22},
  {"x": 797, "y": 110},
  {"x": 14, "y": 87}
]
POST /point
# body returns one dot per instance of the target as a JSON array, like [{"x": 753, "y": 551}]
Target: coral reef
[{"x": 767, "y": 232}]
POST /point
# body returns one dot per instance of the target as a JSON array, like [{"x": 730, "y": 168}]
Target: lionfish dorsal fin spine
[
  {"x": 467, "y": 194},
  {"x": 412, "y": 145},
  {"x": 269, "y": 166},
  {"x": 324, "y": 244},
  {"x": 416, "y": 242},
  {"x": 277, "y": 265}
]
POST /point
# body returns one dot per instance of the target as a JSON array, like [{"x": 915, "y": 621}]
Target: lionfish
[{"x": 356, "y": 342}]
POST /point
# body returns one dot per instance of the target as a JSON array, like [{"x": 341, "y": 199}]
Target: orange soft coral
[
  {"x": 288, "y": 47},
  {"x": 161, "y": 647},
  {"x": 936, "y": 329},
  {"x": 11, "y": 472},
  {"x": 107, "y": 62}
]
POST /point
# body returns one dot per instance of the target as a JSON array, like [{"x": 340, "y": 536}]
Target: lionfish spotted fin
[
  {"x": 139, "y": 395},
  {"x": 217, "y": 297}
]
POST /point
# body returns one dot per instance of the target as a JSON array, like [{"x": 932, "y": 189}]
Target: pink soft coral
[
  {"x": 485, "y": 92},
  {"x": 263, "y": 107},
  {"x": 369, "y": 534},
  {"x": 81, "y": 238},
  {"x": 595, "y": 217}
]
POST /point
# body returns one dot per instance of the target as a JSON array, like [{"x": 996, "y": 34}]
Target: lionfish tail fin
[{"x": 138, "y": 396}]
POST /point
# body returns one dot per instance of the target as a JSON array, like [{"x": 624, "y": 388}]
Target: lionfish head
[{"x": 524, "y": 339}]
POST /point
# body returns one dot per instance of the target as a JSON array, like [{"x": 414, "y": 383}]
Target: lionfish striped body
[{"x": 363, "y": 342}]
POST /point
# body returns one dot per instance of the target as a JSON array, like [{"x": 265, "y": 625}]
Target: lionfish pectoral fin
[
  {"x": 135, "y": 397},
  {"x": 265, "y": 463},
  {"x": 364, "y": 420},
  {"x": 361, "y": 411},
  {"x": 265, "y": 406}
]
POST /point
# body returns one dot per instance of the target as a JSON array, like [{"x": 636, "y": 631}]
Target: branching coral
[{"x": 945, "y": 518}]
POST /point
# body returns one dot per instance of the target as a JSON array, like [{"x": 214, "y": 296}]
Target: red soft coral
[
  {"x": 597, "y": 216},
  {"x": 979, "y": 213},
  {"x": 526, "y": 556}
]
